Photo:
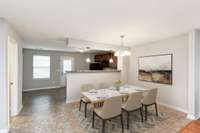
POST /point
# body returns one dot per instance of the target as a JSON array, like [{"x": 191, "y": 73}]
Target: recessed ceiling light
[{"x": 81, "y": 50}]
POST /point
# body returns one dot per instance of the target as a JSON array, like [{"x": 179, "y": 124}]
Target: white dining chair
[
  {"x": 133, "y": 104},
  {"x": 149, "y": 100},
  {"x": 110, "y": 110},
  {"x": 85, "y": 88}
]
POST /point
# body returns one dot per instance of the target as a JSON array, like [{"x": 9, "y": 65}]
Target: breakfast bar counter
[{"x": 75, "y": 79}]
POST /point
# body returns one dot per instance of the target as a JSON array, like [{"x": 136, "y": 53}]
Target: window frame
[
  {"x": 46, "y": 78},
  {"x": 68, "y": 59},
  {"x": 62, "y": 58}
]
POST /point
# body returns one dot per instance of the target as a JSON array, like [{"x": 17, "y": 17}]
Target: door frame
[
  {"x": 12, "y": 65},
  {"x": 61, "y": 67}
]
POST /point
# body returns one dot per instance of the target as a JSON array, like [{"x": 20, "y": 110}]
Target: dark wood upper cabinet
[{"x": 104, "y": 60}]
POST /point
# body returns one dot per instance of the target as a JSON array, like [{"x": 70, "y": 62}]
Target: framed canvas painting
[{"x": 156, "y": 68}]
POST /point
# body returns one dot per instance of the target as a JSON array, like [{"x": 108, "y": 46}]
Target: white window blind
[{"x": 41, "y": 67}]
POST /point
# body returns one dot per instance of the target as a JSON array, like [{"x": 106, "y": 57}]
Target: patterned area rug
[{"x": 114, "y": 126}]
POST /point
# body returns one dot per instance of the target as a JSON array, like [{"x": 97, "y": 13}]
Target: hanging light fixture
[
  {"x": 122, "y": 51},
  {"x": 88, "y": 60},
  {"x": 111, "y": 58}
]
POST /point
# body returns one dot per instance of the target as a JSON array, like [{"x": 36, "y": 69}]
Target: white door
[
  {"x": 12, "y": 76},
  {"x": 66, "y": 64}
]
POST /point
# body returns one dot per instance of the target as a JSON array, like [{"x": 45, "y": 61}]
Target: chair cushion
[{"x": 98, "y": 112}]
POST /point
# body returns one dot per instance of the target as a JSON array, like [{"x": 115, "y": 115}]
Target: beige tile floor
[{"x": 45, "y": 111}]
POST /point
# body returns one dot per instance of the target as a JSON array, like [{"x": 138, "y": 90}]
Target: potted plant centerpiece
[{"x": 118, "y": 84}]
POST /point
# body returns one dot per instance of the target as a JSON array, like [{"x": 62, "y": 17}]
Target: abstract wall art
[{"x": 156, "y": 68}]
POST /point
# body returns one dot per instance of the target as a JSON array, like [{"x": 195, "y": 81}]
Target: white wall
[
  {"x": 123, "y": 66},
  {"x": 29, "y": 83},
  {"x": 14, "y": 35},
  {"x": 172, "y": 95},
  {"x": 3, "y": 78},
  {"x": 73, "y": 87},
  {"x": 194, "y": 75},
  {"x": 5, "y": 31}
]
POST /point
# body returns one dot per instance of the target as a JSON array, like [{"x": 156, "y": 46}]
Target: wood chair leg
[
  {"x": 121, "y": 116},
  {"x": 156, "y": 109},
  {"x": 141, "y": 113},
  {"x": 93, "y": 117},
  {"x": 103, "y": 126},
  {"x": 85, "y": 110},
  {"x": 146, "y": 112},
  {"x": 80, "y": 105},
  {"x": 127, "y": 120}
]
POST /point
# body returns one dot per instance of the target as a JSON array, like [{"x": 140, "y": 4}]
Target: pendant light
[
  {"x": 122, "y": 51},
  {"x": 111, "y": 58},
  {"x": 88, "y": 60}
]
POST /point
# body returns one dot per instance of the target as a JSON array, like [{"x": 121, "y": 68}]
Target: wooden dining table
[{"x": 95, "y": 97}]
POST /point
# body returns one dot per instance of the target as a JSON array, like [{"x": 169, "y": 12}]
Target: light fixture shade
[
  {"x": 88, "y": 60},
  {"x": 122, "y": 53},
  {"x": 127, "y": 53},
  {"x": 111, "y": 60}
]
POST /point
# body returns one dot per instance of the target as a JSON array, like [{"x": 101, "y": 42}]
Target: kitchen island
[{"x": 75, "y": 79}]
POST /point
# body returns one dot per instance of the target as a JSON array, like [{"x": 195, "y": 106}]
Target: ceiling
[{"x": 102, "y": 21}]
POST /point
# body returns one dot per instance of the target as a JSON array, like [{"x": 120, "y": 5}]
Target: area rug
[{"x": 114, "y": 126}]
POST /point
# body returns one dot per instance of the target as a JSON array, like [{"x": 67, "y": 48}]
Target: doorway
[
  {"x": 12, "y": 77},
  {"x": 66, "y": 64}
]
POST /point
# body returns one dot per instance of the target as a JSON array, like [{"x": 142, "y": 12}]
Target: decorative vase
[
  {"x": 118, "y": 84},
  {"x": 117, "y": 88}
]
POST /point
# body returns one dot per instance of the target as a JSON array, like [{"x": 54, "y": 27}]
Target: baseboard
[
  {"x": 173, "y": 107},
  {"x": 72, "y": 101},
  {"x": 17, "y": 111},
  {"x": 192, "y": 117},
  {"x": 42, "y": 88},
  {"x": 20, "y": 108},
  {"x": 4, "y": 130},
  {"x": 62, "y": 86}
]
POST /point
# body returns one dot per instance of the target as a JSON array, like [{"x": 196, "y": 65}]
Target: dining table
[{"x": 96, "y": 97}]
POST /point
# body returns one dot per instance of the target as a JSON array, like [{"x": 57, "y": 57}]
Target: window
[
  {"x": 41, "y": 67},
  {"x": 67, "y": 65}
]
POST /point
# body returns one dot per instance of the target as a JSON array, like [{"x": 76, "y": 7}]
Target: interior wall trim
[
  {"x": 173, "y": 107},
  {"x": 42, "y": 88}
]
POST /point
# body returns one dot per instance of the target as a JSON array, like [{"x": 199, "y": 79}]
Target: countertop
[{"x": 93, "y": 71}]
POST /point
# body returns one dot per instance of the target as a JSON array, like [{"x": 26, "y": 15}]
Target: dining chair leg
[
  {"x": 93, "y": 117},
  {"x": 127, "y": 120},
  {"x": 146, "y": 112},
  {"x": 80, "y": 105},
  {"x": 156, "y": 109},
  {"x": 85, "y": 110},
  {"x": 121, "y": 116},
  {"x": 141, "y": 113},
  {"x": 103, "y": 124},
  {"x": 142, "y": 107}
]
